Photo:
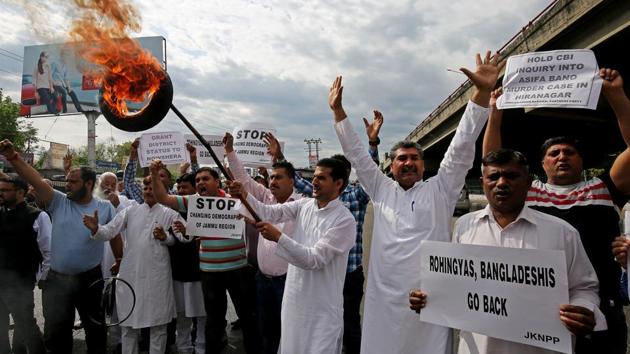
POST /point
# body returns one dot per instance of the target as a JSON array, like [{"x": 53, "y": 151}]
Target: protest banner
[
  {"x": 56, "y": 153},
  {"x": 166, "y": 146},
  {"x": 560, "y": 79},
  {"x": 214, "y": 216},
  {"x": 507, "y": 293},
  {"x": 250, "y": 146},
  {"x": 203, "y": 156}
]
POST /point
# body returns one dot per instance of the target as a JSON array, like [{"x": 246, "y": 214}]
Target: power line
[
  {"x": 10, "y": 57},
  {"x": 10, "y": 72},
  {"x": 12, "y": 53}
]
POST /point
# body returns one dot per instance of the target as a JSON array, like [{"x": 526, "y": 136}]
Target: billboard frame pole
[{"x": 91, "y": 137}]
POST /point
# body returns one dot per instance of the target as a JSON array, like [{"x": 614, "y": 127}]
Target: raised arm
[
  {"x": 108, "y": 231},
  {"x": 460, "y": 154},
  {"x": 26, "y": 171},
  {"x": 612, "y": 88},
  {"x": 372, "y": 130},
  {"x": 132, "y": 187},
  {"x": 274, "y": 213},
  {"x": 159, "y": 190},
  {"x": 492, "y": 136},
  {"x": 369, "y": 175},
  {"x": 335, "y": 242}
]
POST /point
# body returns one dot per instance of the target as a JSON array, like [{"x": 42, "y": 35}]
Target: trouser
[
  {"x": 157, "y": 339},
  {"x": 184, "y": 336},
  {"x": 64, "y": 98},
  {"x": 45, "y": 97},
  {"x": 352, "y": 295},
  {"x": 269, "y": 291},
  {"x": 16, "y": 298},
  {"x": 614, "y": 340},
  {"x": 63, "y": 293},
  {"x": 240, "y": 284}
]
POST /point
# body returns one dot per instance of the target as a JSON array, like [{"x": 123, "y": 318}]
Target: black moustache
[{"x": 408, "y": 169}]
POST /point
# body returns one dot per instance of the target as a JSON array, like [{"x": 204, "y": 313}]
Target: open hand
[
  {"x": 372, "y": 129},
  {"x": 273, "y": 146},
  {"x": 487, "y": 72}
]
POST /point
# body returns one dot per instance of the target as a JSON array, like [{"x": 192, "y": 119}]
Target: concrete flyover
[{"x": 600, "y": 25}]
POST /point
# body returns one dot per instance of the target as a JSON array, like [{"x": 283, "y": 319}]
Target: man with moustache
[
  {"x": 591, "y": 206},
  {"x": 408, "y": 210},
  {"x": 24, "y": 252},
  {"x": 317, "y": 252},
  {"x": 507, "y": 222},
  {"x": 148, "y": 230},
  {"x": 272, "y": 269},
  {"x": 75, "y": 258},
  {"x": 223, "y": 265}
]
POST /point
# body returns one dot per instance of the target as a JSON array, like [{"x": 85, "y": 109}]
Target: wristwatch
[{"x": 375, "y": 142}]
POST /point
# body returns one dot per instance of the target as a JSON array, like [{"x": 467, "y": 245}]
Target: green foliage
[{"x": 21, "y": 132}]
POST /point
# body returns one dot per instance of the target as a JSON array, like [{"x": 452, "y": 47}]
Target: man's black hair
[
  {"x": 504, "y": 156},
  {"x": 337, "y": 170},
  {"x": 17, "y": 182},
  {"x": 343, "y": 159},
  {"x": 560, "y": 140},
  {"x": 211, "y": 171},
  {"x": 87, "y": 174},
  {"x": 187, "y": 177},
  {"x": 287, "y": 167}
]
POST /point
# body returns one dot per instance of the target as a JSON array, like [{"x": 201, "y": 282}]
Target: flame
[{"x": 127, "y": 71}]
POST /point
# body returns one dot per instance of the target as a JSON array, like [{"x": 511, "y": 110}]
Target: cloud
[{"x": 273, "y": 61}]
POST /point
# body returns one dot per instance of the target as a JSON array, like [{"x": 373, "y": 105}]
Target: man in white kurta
[
  {"x": 146, "y": 266},
  {"x": 408, "y": 210},
  {"x": 317, "y": 252},
  {"x": 506, "y": 222}
]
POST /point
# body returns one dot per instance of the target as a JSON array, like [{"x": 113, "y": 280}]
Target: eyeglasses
[{"x": 7, "y": 190}]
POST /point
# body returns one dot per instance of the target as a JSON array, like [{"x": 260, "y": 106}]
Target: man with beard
[
  {"x": 75, "y": 257},
  {"x": 408, "y": 210},
  {"x": 223, "y": 265},
  {"x": 507, "y": 222},
  {"x": 24, "y": 249},
  {"x": 147, "y": 230},
  {"x": 591, "y": 206},
  {"x": 272, "y": 269}
]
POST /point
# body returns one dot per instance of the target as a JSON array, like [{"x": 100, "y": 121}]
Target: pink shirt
[{"x": 268, "y": 262}]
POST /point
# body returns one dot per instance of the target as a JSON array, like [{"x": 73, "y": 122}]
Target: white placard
[
  {"x": 214, "y": 217},
  {"x": 250, "y": 146},
  {"x": 169, "y": 147},
  {"x": 508, "y": 293},
  {"x": 203, "y": 156},
  {"x": 560, "y": 78}
]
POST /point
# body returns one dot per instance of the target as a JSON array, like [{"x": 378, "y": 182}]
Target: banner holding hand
[{"x": 557, "y": 79}]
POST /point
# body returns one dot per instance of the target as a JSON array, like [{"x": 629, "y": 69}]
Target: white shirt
[
  {"x": 268, "y": 262},
  {"x": 535, "y": 230},
  {"x": 401, "y": 220},
  {"x": 317, "y": 252},
  {"x": 108, "y": 254},
  {"x": 43, "y": 227},
  {"x": 145, "y": 265}
]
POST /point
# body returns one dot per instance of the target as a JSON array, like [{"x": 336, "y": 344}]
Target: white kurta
[
  {"x": 401, "y": 220},
  {"x": 531, "y": 229},
  {"x": 317, "y": 252},
  {"x": 108, "y": 255},
  {"x": 145, "y": 264}
]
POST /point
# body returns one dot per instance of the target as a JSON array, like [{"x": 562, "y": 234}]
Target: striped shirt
[
  {"x": 217, "y": 254},
  {"x": 592, "y": 207}
]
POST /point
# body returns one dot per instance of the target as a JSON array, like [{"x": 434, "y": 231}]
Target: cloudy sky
[{"x": 272, "y": 61}]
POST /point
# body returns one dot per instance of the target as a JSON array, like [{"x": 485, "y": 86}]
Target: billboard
[{"x": 53, "y": 83}]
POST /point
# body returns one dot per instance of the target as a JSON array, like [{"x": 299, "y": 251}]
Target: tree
[{"x": 21, "y": 133}]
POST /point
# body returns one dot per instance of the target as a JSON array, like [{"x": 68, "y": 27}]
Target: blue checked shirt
[
  {"x": 356, "y": 200},
  {"x": 132, "y": 188}
]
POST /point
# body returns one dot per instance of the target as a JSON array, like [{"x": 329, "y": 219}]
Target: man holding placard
[
  {"x": 317, "y": 252},
  {"x": 272, "y": 269},
  {"x": 506, "y": 222},
  {"x": 408, "y": 210},
  {"x": 592, "y": 206},
  {"x": 222, "y": 260}
]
